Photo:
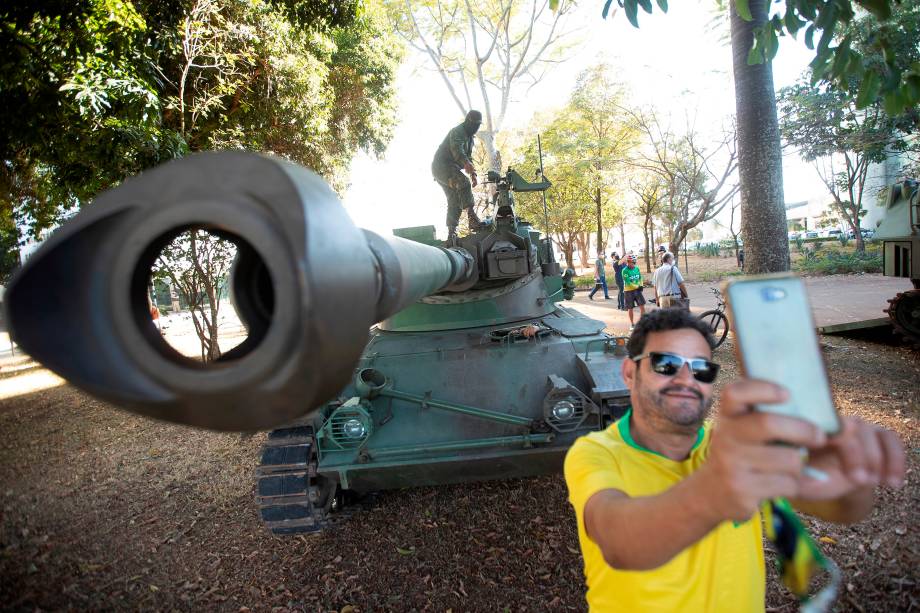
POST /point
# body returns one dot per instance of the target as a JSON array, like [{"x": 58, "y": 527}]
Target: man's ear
[{"x": 628, "y": 369}]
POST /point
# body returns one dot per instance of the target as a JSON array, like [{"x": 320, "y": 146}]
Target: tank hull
[{"x": 441, "y": 416}]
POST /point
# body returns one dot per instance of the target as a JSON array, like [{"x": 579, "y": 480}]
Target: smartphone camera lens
[{"x": 773, "y": 294}]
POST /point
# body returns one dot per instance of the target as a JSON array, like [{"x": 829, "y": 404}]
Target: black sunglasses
[{"x": 668, "y": 364}]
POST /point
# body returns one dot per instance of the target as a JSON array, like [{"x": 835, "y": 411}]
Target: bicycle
[{"x": 716, "y": 319}]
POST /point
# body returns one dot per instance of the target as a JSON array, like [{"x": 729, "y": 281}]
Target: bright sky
[{"x": 674, "y": 61}]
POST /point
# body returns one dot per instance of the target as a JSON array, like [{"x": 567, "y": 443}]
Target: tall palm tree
[{"x": 760, "y": 162}]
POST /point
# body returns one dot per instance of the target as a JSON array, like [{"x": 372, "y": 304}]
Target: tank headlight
[
  {"x": 354, "y": 428},
  {"x": 563, "y": 410}
]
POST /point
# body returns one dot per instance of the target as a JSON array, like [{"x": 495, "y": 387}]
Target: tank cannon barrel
[{"x": 307, "y": 284}]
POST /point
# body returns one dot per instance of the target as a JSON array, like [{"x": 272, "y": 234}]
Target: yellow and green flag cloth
[{"x": 800, "y": 559}]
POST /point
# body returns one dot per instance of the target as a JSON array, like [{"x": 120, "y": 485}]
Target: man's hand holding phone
[
  {"x": 746, "y": 465},
  {"x": 862, "y": 455}
]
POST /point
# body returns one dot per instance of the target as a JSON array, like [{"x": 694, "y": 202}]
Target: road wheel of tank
[
  {"x": 904, "y": 311},
  {"x": 718, "y": 323},
  {"x": 292, "y": 497}
]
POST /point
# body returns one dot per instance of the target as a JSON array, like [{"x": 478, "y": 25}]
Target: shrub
[
  {"x": 709, "y": 250},
  {"x": 844, "y": 239},
  {"x": 835, "y": 263},
  {"x": 799, "y": 243}
]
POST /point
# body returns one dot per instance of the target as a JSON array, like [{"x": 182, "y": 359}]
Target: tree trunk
[
  {"x": 600, "y": 227},
  {"x": 495, "y": 159},
  {"x": 854, "y": 222},
  {"x": 760, "y": 163},
  {"x": 622, "y": 238},
  {"x": 569, "y": 258},
  {"x": 583, "y": 239},
  {"x": 649, "y": 240},
  {"x": 213, "y": 305}
]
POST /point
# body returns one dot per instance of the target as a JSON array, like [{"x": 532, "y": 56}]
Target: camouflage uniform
[{"x": 453, "y": 154}]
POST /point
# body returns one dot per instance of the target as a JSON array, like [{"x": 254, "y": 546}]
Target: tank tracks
[
  {"x": 904, "y": 312},
  {"x": 292, "y": 497}
]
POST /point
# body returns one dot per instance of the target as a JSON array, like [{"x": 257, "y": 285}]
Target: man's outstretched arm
[{"x": 744, "y": 467}]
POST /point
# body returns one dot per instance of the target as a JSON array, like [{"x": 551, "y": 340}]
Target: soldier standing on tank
[{"x": 453, "y": 156}]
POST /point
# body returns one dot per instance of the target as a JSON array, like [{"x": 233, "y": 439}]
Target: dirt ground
[{"x": 103, "y": 510}]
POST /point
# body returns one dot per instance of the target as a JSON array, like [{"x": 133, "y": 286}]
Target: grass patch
[{"x": 836, "y": 263}]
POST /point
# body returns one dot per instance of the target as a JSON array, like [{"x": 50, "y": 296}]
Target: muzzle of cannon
[{"x": 307, "y": 284}]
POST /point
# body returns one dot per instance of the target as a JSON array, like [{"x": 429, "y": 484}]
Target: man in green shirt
[
  {"x": 632, "y": 284},
  {"x": 453, "y": 156}
]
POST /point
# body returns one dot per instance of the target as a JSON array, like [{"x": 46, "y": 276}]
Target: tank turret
[{"x": 308, "y": 284}]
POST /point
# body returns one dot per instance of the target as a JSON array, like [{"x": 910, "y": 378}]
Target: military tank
[
  {"x": 899, "y": 231},
  {"x": 381, "y": 361}
]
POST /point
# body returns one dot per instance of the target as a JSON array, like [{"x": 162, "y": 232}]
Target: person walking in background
[
  {"x": 741, "y": 259},
  {"x": 600, "y": 277},
  {"x": 632, "y": 283},
  {"x": 618, "y": 266}
]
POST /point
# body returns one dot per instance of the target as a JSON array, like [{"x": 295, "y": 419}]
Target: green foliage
[
  {"x": 823, "y": 121},
  {"x": 799, "y": 244},
  {"x": 9, "y": 253},
  {"x": 96, "y": 90},
  {"x": 834, "y": 263},
  {"x": 583, "y": 147},
  {"x": 820, "y": 121},
  {"x": 321, "y": 15},
  {"x": 80, "y": 104},
  {"x": 709, "y": 250},
  {"x": 841, "y": 56},
  {"x": 584, "y": 281},
  {"x": 844, "y": 240}
]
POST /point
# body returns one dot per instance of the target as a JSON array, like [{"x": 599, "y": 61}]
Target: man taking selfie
[{"x": 668, "y": 502}]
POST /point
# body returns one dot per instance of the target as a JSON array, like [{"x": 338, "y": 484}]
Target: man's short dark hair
[{"x": 662, "y": 320}]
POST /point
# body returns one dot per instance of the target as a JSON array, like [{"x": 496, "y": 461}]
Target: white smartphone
[{"x": 775, "y": 340}]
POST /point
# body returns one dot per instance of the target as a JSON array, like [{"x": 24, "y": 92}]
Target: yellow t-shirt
[{"x": 724, "y": 571}]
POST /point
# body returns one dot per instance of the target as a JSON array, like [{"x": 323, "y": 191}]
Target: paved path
[{"x": 835, "y": 299}]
